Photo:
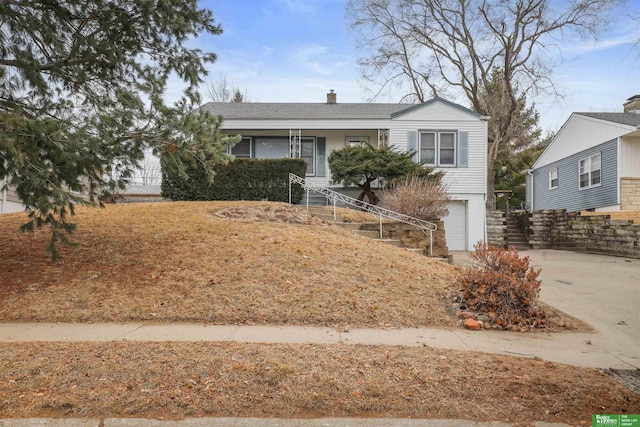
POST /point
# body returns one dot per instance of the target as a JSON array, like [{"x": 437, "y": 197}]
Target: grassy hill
[{"x": 218, "y": 262}]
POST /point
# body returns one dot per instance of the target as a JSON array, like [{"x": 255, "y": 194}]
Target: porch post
[{"x": 295, "y": 142}]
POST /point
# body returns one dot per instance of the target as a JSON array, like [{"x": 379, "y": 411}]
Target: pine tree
[
  {"x": 363, "y": 164},
  {"x": 81, "y": 98}
]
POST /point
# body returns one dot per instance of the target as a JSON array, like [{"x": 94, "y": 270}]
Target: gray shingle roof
[
  {"x": 630, "y": 119},
  {"x": 258, "y": 110}
]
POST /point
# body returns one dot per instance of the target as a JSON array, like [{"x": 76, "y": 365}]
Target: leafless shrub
[
  {"x": 419, "y": 197},
  {"x": 504, "y": 287}
]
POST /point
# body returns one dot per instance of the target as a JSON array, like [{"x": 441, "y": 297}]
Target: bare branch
[{"x": 461, "y": 44}]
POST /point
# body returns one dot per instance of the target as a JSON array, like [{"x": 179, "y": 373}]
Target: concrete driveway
[{"x": 603, "y": 291}]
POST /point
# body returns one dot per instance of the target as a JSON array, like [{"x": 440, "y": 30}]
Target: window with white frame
[
  {"x": 590, "y": 171},
  {"x": 242, "y": 150},
  {"x": 437, "y": 148},
  {"x": 308, "y": 154},
  {"x": 553, "y": 178}
]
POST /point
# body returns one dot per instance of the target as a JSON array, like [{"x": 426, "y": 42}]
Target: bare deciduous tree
[
  {"x": 224, "y": 90},
  {"x": 149, "y": 171},
  {"x": 426, "y": 48}
]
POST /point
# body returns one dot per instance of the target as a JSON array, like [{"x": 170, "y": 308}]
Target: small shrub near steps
[{"x": 500, "y": 291}]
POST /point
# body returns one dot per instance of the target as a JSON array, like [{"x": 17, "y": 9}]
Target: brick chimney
[
  {"x": 331, "y": 97},
  {"x": 632, "y": 105}
]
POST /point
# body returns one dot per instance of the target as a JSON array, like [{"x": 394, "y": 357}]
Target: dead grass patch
[
  {"x": 175, "y": 380},
  {"x": 183, "y": 262}
]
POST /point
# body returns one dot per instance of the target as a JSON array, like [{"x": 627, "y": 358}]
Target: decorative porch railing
[{"x": 426, "y": 227}]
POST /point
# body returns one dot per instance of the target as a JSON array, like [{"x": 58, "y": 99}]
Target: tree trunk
[{"x": 366, "y": 191}]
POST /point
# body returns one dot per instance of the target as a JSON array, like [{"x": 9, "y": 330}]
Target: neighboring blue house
[{"x": 593, "y": 163}]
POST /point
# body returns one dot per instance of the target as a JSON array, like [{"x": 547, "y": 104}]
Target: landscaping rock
[
  {"x": 466, "y": 315},
  {"x": 472, "y": 324},
  {"x": 483, "y": 318}
]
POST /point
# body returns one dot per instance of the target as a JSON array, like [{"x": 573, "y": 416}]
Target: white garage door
[{"x": 455, "y": 226}]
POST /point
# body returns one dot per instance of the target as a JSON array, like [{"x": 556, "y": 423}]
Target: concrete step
[
  {"x": 392, "y": 242},
  {"x": 368, "y": 233},
  {"x": 348, "y": 225},
  {"x": 314, "y": 200},
  {"x": 321, "y": 210},
  {"x": 516, "y": 237},
  {"x": 329, "y": 217}
]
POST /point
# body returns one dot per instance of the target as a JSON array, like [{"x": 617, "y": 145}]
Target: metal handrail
[{"x": 334, "y": 196}]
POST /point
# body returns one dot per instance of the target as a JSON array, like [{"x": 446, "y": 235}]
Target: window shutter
[
  {"x": 321, "y": 156},
  {"x": 463, "y": 149},
  {"x": 412, "y": 144}
]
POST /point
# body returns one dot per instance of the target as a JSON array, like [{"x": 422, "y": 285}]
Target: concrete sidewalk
[
  {"x": 586, "y": 350},
  {"x": 558, "y": 347}
]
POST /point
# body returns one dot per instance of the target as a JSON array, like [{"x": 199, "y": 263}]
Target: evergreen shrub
[{"x": 241, "y": 179}]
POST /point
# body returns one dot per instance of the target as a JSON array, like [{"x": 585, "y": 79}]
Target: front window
[
  {"x": 307, "y": 154},
  {"x": 438, "y": 148},
  {"x": 242, "y": 149},
  {"x": 590, "y": 171},
  {"x": 428, "y": 148},
  {"x": 447, "y": 149},
  {"x": 271, "y": 148},
  {"x": 553, "y": 178},
  {"x": 277, "y": 148}
]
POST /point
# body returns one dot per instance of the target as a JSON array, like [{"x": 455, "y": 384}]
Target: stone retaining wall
[
  {"x": 497, "y": 228},
  {"x": 559, "y": 229},
  {"x": 411, "y": 237}
]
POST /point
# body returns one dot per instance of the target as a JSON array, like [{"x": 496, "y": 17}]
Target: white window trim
[
  {"x": 590, "y": 171},
  {"x": 437, "y": 134},
  {"x": 551, "y": 186}
]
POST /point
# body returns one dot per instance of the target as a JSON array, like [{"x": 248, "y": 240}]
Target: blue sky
[{"x": 296, "y": 50}]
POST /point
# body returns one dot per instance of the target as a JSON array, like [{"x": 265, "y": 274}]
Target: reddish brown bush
[{"x": 504, "y": 287}]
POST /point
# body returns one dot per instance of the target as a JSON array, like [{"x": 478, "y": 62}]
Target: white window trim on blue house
[
  {"x": 588, "y": 166},
  {"x": 553, "y": 178}
]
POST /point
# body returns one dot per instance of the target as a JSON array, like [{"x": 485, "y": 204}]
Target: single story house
[
  {"x": 445, "y": 135},
  {"x": 592, "y": 164}
]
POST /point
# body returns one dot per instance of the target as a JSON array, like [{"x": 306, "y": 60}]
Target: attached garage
[{"x": 455, "y": 226}]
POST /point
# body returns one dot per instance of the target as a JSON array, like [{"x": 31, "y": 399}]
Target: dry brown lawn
[
  {"x": 174, "y": 380},
  {"x": 256, "y": 263},
  {"x": 263, "y": 264}
]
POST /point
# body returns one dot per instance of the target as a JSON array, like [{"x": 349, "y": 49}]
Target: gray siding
[{"x": 568, "y": 195}]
